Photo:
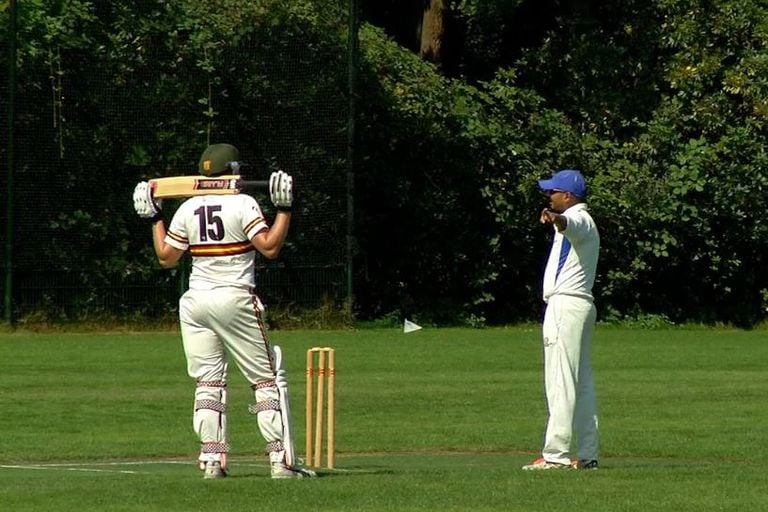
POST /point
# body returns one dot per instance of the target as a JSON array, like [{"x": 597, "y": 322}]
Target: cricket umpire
[{"x": 569, "y": 321}]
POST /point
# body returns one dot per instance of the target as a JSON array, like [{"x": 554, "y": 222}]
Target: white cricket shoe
[
  {"x": 541, "y": 464},
  {"x": 213, "y": 470},
  {"x": 280, "y": 470}
]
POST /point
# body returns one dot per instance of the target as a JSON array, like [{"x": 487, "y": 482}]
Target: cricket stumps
[{"x": 321, "y": 401}]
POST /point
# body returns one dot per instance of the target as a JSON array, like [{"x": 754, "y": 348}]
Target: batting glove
[
  {"x": 146, "y": 206},
  {"x": 281, "y": 190}
]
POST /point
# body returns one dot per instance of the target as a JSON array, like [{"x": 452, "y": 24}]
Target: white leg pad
[
  {"x": 273, "y": 415},
  {"x": 281, "y": 383},
  {"x": 210, "y": 421},
  {"x": 267, "y": 411}
]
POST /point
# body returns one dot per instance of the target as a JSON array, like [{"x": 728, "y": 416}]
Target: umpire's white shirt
[{"x": 572, "y": 262}]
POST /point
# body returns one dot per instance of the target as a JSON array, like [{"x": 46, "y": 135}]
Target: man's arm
[
  {"x": 550, "y": 217},
  {"x": 167, "y": 255},
  {"x": 147, "y": 207},
  {"x": 269, "y": 241}
]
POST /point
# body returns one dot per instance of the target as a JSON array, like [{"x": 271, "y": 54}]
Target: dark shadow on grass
[
  {"x": 347, "y": 471},
  {"x": 355, "y": 470}
]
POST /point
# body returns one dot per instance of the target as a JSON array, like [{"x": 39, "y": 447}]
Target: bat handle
[{"x": 259, "y": 184}]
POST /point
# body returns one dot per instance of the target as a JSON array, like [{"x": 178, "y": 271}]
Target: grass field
[{"x": 439, "y": 419}]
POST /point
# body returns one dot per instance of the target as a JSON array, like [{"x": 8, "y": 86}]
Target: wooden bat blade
[{"x": 188, "y": 186}]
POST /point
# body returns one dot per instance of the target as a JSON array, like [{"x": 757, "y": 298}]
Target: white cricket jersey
[
  {"x": 217, "y": 231},
  {"x": 572, "y": 262}
]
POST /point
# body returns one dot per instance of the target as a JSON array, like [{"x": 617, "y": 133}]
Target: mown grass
[{"x": 440, "y": 419}]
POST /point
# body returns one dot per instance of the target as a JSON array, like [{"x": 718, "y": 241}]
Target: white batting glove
[
  {"x": 281, "y": 190},
  {"x": 146, "y": 206}
]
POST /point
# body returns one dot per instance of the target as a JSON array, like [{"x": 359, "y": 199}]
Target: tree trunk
[{"x": 433, "y": 30}]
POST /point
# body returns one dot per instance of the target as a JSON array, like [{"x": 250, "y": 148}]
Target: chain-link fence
[{"x": 124, "y": 92}]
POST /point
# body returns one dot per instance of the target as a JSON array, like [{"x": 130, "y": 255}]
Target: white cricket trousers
[
  {"x": 220, "y": 321},
  {"x": 216, "y": 324},
  {"x": 567, "y": 331}
]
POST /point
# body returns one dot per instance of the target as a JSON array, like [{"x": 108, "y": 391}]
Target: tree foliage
[
  {"x": 662, "y": 104},
  {"x": 113, "y": 92}
]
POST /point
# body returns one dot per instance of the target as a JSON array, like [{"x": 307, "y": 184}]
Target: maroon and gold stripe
[
  {"x": 221, "y": 249},
  {"x": 178, "y": 238},
  {"x": 253, "y": 223}
]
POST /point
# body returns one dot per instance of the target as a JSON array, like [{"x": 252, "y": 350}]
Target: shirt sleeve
[
  {"x": 577, "y": 227},
  {"x": 176, "y": 235},
  {"x": 253, "y": 219}
]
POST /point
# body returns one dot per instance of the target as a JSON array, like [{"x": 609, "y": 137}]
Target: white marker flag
[{"x": 409, "y": 326}]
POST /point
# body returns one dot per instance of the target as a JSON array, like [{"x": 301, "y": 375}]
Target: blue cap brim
[{"x": 546, "y": 185}]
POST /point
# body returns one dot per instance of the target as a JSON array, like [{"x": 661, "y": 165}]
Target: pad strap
[
  {"x": 212, "y": 405},
  {"x": 266, "y": 405},
  {"x": 214, "y": 447},
  {"x": 211, "y": 384},
  {"x": 263, "y": 385}
]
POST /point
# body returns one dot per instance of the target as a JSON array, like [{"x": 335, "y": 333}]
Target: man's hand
[
  {"x": 146, "y": 206},
  {"x": 281, "y": 190},
  {"x": 549, "y": 217}
]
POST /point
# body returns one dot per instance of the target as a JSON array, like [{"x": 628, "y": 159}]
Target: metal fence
[{"x": 81, "y": 125}]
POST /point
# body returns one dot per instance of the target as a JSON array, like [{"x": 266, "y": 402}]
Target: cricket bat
[{"x": 188, "y": 186}]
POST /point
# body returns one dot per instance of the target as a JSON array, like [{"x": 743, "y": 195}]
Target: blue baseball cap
[{"x": 567, "y": 180}]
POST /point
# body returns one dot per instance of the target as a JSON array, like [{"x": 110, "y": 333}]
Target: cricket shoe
[
  {"x": 541, "y": 465},
  {"x": 280, "y": 470},
  {"x": 213, "y": 470},
  {"x": 584, "y": 464}
]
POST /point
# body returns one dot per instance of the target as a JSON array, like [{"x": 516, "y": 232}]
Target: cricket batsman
[{"x": 221, "y": 315}]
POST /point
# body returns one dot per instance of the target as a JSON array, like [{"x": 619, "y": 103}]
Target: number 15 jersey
[{"x": 217, "y": 231}]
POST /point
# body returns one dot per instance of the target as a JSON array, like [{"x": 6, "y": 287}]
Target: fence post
[
  {"x": 8, "y": 295},
  {"x": 352, "y": 54}
]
